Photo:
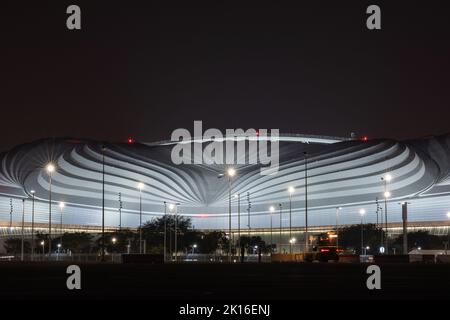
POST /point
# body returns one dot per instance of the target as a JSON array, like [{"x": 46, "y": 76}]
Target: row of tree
[
  {"x": 161, "y": 230},
  {"x": 155, "y": 233},
  {"x": 350, "y": 238}
]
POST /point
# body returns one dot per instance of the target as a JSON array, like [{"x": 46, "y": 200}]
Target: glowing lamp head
[
  {"x": 231, "y": 172},
  {"x": 50, "y": 168},
  {"x": 291, "y": 190},
  {"x": 171, "y": 206},
  {"x": 387, "y": 177},
  {"x": 272, "y": 209},
  {"x": 195, "y": 246},
  {"x": 114, "y": 240},
  {"x": 387, "y": 194},
  {"x": 32, "y": 191},
  {"x": 140, "y": 186},
  {"x": 448, "y": 214},
  {"x": 42, "y": 243},
  {"x": 362, "y": 212},
  {"x": 62, "y": 205}
]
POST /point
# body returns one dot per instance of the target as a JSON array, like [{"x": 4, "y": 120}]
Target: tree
[
  {"x": 122, "y": 239},
  {"x": 77, "y": 242},
  {"x": 14, "y": 246},
  {"x": 420, "y": 238},
  {"x": 212, "y": 241},
  {"x": 249, "y": 243},
  {"x": 350, "y": 238},
  {"x": 153, "y": 232}
]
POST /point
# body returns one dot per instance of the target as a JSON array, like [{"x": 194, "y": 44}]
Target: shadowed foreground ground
[{"x": 224, "y": 282}]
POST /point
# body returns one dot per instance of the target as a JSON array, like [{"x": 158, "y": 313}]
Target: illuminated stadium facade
[{"x": 341, "y": 173}]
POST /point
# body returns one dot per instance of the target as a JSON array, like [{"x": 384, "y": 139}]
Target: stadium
[{"x": 342, "y": 175}]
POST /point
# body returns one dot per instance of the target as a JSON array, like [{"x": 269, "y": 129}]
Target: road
[{"x": 223, "y": 282}]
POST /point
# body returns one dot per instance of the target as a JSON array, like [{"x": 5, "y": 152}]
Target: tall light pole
[
  {"x": 291, "y": 190},
  {"x": 448, "y": 233},
  {"x": 231, "y": 172},
  {"x": 171, "y": 208},
  {"x": 238, "y": 242},
  {"x": 306, "y": 202},
  {"x": 103, "y": 203},
  {"x": 280, "y": 206},
  {"x": 165, "y": 228},
  {"x": 272, "y": 210},
  {"x": 113, "y": 240},
  {"x": 61, "y": 207},
  {"x": 386, "y": 178},
  {"x": 11, "y": 209},
  {"x": 32, "y": 224},
  {"x": 140, "y": 187},
  {"x": 50, "y": 168},
  {"x": 23, "y": 226},
  {"x": 337, "y": 227},
  {"x": 362, "y": 212},
  {"x": 249, "y": 207},
  {"x": 120, "y": 211},
  {"x": 176, "y": 232}
]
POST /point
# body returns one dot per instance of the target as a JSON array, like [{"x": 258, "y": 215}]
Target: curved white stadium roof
[{"x": 341, "y": 173}]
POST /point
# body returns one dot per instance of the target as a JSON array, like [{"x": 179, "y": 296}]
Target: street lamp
[
  {"x": 292, "y": 241},
  {"x": 23, "y": 227},
  {"x": 103, "y": 148},
  {"x": 172, "y": 207},
  {"x": 362, "y": 212},
  {"x": 291, "y": 190},
  {"x": 231, "y": 172},
  {"x": 194, "y": 246},
  {"x": 272, "y": 210},
  {"x": 140, "y": 187},
  {"x": 61, "y": 207},
  {"x": 120, "y": 211},
  {"x": 238, "y": 242},
  {"x": 280, "y": 206},
  {"x": 306, "y": 202},
  {"x": 448, "y": 233},
  {"x": 50, "y": 169},
  {"x": 32, "y": 224},
  {"x": 113, "y": 240},
  {"x": 337, "y": 227},
  {"x": 43, "y": 247},
  {"x": 386, "y": 178}
]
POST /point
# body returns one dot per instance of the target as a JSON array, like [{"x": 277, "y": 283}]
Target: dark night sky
[{"x": 145, "y": 68}]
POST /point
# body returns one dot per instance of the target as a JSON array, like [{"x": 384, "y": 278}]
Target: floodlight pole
[{"x": 103, "y": 203}]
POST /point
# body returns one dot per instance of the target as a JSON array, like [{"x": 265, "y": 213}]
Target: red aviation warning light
[
  {"x": 364, "y": 138},
  {"x": 130, "y": 140}
]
